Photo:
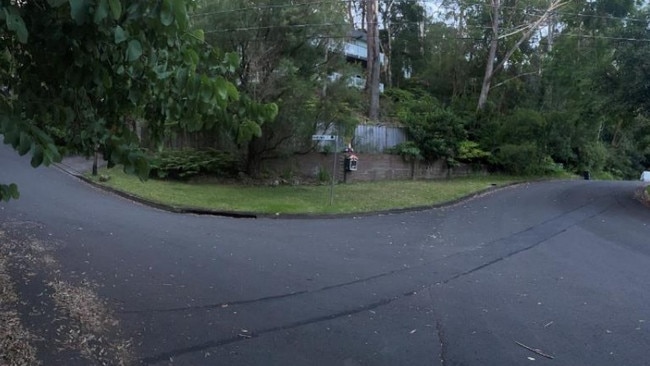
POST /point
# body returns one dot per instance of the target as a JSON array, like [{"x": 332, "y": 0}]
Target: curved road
[{"x": 562, "y": 268}]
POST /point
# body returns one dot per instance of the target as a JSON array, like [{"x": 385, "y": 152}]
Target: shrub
[
  {"x": 323, "y": 175},
  {"x": 520, "y": 159},
  {"x": 184, "y": 164},
  {"x": 408, "y": 150},
  {"x": 470, "y": 151}
]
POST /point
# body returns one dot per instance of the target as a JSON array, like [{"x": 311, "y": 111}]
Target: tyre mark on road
[
  {"x": 497, "y": 260},
  {"x": 541, "y": 233},
  {"x": 254, "y": 334},
  {"x": 266, "y": 298},
  {"x": 557, "y": 225},
  {"x": 512, "y": 238}
]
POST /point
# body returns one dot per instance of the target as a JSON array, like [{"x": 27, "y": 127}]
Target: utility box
[{"x": 350, "y": 163}]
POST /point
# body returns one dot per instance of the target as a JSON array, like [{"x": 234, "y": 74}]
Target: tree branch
[
  {"x": 556, "y": 4},
  {"x": 514, "y": 77}
]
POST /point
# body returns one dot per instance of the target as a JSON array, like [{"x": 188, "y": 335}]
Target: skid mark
[{"x": 254, "y": 334}]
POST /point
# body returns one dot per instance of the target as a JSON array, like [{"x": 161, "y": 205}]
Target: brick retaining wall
[{"x": 371, "y": 167}]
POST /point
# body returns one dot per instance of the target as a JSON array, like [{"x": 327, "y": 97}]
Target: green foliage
[
  {"x": 117, "y": 61},
  {"x": 323, "y": 175},
  {"x": 9, "y": 191},
  {"x": 524, "y": 159},
  {"x": 184, "y": 164},
  {"x": 470, "y": 151},
  {"x": 287, "y": 63},
  {"x": 404, "y": 22},
  {"x": 408, "y": 150},
  {"x": 518, "y": 142},
  {"x": 593, "y": 156},
  {"x": 436, "y": 131}
]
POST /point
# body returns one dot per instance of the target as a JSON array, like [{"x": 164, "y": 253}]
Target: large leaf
[
  {"x": 180, "y": 13},
  {"x": 8, "y": 192},
  {"x": 166, "y": 13},
  {"x": 25, "y": 144},
  {"x": 231, "y": 61},
  {"x": 198, "y": 34},
  {"x": 134, "y": 50},
  {"x": 247, "y": 130},
  {"x": 206, "y": 90},
  {"x": 101, "y": 11},
  {"x": 120, "y": 35},
  {"x": 116, "y": 8},
  {"x": 233, "y": 93},
  {"x": 52, "y": 154},
  {"x": 221, "y": 88},
  {"x": 191, "y": 58},
  {"x": 79, "y": 10},
  {"x": 37, "y": 157},
  {"x": 16, "y": 24}
]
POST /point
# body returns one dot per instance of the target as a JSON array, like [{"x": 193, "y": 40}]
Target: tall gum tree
[{"x": 522, "y": 31}]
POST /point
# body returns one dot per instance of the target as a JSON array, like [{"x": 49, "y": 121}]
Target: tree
[
  {"x": 404, "y": 26},
  {"x": 372, "y": 83},
  {"x": 525, "y": 31},
  {"x": 289, "y": 54},
  {"x": 436, "y": 131},
  {"x": 79, "y": 73}
]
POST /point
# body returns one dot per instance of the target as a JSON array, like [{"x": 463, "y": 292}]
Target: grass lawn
[{"x": 348, "y": 198}]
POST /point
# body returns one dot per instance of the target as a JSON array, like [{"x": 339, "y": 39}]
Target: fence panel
[{"x": 376, "y": 139}]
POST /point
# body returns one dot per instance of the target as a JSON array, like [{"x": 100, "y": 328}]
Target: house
[{"x": 355, "y": 50}]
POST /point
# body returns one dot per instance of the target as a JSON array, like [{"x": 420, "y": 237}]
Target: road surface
[{"x": 542, "y": 273}]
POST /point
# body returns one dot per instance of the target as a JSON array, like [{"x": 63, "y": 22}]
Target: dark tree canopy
[{"x": 81, "y": 74}]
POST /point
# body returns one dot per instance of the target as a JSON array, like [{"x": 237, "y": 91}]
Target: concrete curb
[{"x": 252, "y": 215}]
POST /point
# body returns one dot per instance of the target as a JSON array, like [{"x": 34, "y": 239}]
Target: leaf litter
[{"x": 84, "y": 321}]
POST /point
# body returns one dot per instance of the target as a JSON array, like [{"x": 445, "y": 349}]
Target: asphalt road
[{"x": 559, "y": 267}]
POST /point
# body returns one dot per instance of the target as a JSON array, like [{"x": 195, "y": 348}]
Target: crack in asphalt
[
  {"x": 442, "y": 355},
  {"x": 443, "y": 343}
]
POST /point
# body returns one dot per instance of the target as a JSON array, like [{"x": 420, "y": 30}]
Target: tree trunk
[
  {"x": 385, "y": 17},
  {"x": 364, "y": 16},
  {"x": 350, "y": 16},
  {"x": 254, "y": 159},
  {"x": 389, "y": 72},
  {"x": 95, "y": 159},
  {"x": 372, "y": 83},
  {"x": 457, "y": 83},
  {"x": 489, "y": 65},
  {"x": 528, "y": 30}
]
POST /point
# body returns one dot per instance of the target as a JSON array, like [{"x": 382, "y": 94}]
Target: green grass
[{"x": 348, "y": 198}]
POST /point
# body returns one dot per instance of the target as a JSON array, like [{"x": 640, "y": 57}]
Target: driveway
[{"x": 549, "y": 273}]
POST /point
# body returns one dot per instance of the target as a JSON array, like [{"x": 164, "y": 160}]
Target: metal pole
[{"x": 336, "y": 149}]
